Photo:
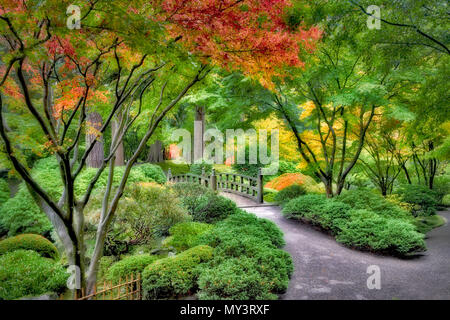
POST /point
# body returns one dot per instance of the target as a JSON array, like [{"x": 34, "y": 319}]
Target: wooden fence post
[
  {"x": 260, "y": 187},
  {"x": 213, "y": 180},
  {"x": 169, "y": 175}
]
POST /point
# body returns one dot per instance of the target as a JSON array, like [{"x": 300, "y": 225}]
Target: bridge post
[
  {"x": 213, "y": 179},
  {"x": 260, "y": 187},
  {"x": 169, "y": 175}
]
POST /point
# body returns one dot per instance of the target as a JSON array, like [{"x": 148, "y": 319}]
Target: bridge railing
[{"x": 246, "y": 186}]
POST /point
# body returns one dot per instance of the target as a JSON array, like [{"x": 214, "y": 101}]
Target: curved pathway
[{"x": 324, "y": 269}]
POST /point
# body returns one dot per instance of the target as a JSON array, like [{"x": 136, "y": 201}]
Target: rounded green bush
[
  {"x": 26, "y": 273},
  {"x": 289, "y": 193},
  {"x": 446, "y": 200},
  {"x": 32, "y": 242},
  {"x": 234, "y": 279},
  {"x": 303, "y": 206},
  {"x": 174, "y": 276},
  {"x": 369, "y": 231},
  {"x": 243, "y": 224},
  {"x": 367, "y": 200},
  {"x": 151, "y": 171},
  {"x": 185, "y": 234},
  {"x": 130, "y": 266},
  {"x": 425, "y": 201}
]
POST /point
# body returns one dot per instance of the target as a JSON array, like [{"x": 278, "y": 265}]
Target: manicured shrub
[
  {"x": 234, "y": 279},
  {"x": 425, "y": 201},
  {"x": 4, "y": 191},
  {"x": 21, "y": 214},
  {"x": 289, "y": 193},
  {"x": 332, "y": 215},
  {"x": 128, "y": 266},
  {"x": 104, "y": 264},
  {"x": 269, "y": 195},
  {"x": 152, "y": 172},
  {"x": 174, "y": 276},
  {"x": 369, "y": 231},
  {"x": 185, "y": 234},
  {"x": 32, "y": 242},
  {"x": 446, "y": 200},
  {"x": 246, "y": 263},
  {"x": 202, "y": 203},
  {"x": 303, "y": 206},
  {"x": 289, "y": 179},
  {"x": 243, "y": 225},
  {"x": 26, "y": 273},
  {"x": 365, "y": 199},
  {"x": 214, "y": 208}
]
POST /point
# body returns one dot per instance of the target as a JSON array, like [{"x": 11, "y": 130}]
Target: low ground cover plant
[{"x": 361, "y": 220}]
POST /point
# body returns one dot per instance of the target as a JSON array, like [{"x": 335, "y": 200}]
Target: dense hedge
[
  {"x": 128, "y": 266},
  {"x": 425, "y": 201},
  {"x": 151, "y": 172},
  {"x": 446, "y": 200},
  {"x": 361, "y": 220},
  {"x": 185, "y": 234},
  {"x": 289, "y": 193},
  {"x": 247, "y": 263},
  {"x": 26, "y": 273},
  {"x": 20, "y": 214},
  {"x": 369, "y": 231},
  {"x": 4, "y": 191},
  {"x": 203, "y": 204},
  {"x": 32, "y": 242},
  {"x": 174, "y": 276}
]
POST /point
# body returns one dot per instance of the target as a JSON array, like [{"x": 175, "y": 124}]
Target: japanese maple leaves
[{"x": 249, "y": 35}]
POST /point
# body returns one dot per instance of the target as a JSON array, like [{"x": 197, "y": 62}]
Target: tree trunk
[
  {"x": 120, "y": 154},
  {"x": 199, "y": 130},
  {"x": 93, "y": 125},
  {"x": 408, "y": 178}
]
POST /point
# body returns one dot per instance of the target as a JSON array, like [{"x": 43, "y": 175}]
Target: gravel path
[{"x": 324, "y": 269}]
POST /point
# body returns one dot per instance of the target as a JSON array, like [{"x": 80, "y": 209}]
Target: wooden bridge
[{"x": 246, "y": 186}]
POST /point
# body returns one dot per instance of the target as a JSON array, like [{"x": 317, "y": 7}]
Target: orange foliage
[{"x": 289, "y": 179}]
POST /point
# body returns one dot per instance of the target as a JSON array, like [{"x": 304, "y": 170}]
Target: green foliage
[
  {"x": 202, "y": 203},
  {"x": 185, "y": 234},
  {"x": 425, "y": 201},
  {"x": 365, "y": 199},
  {"x": 174, "y": 276},
  {"x": 234, "y": 279},
  {"x": 104, "y": 264},
  {"x": 360, "y": 220},
  {"x": 446, "y": 200},
  {"x": 175, "y": 168},
  {"x": 4, "y": 191},
  {"x": 146, "y": 212},
  {"x": 247, "y": 263},
  {"x": 289, "y": 193},
  {"x": 197, "y": 168},
  {"x": 32, "y": 242},
  {"x": 26, "y": 273},
  {"x": 426, "y": 224},
  {"x": 303, "y": 206},
  {"x": 137, "y": 174},
  {"x": 151, "y": 172},
  {"x": 270, "y": 194},
  {"x": 21, "y": 214},
  {"x": 243, "y": 225},
  {"x": 128, "y": 266},
  {"x": 368, "y": 231}
]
